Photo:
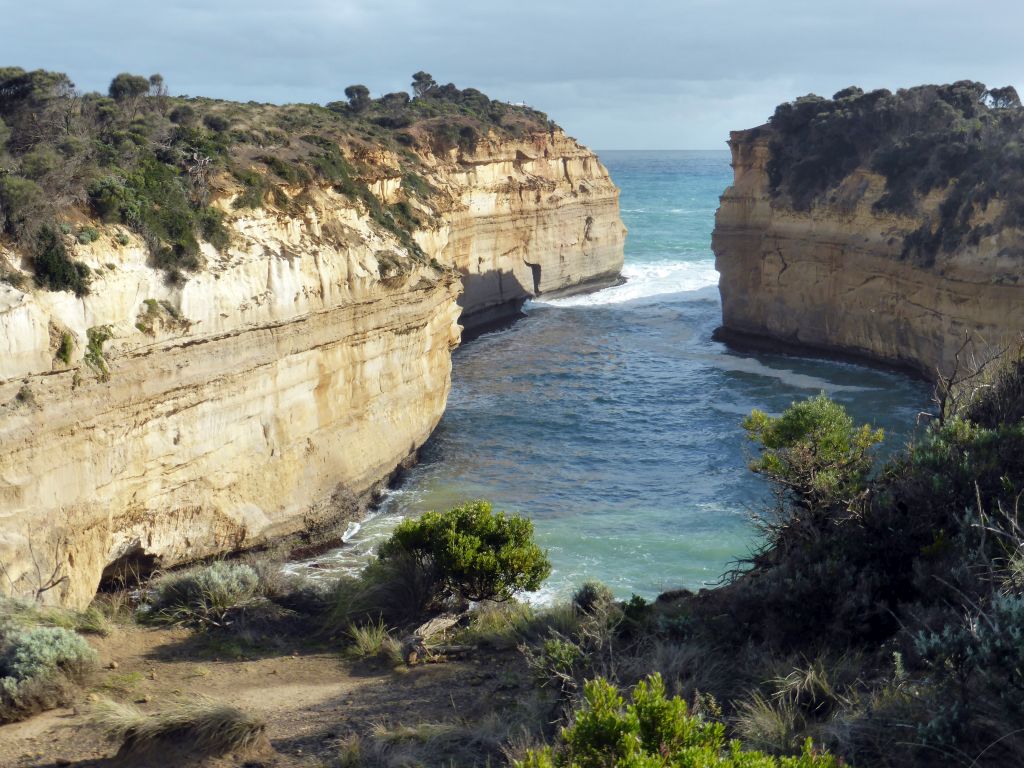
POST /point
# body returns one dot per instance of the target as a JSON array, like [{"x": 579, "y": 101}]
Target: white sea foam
[
  {"x": 786, "y": 376},
  {"x": 647, "y": 279}
]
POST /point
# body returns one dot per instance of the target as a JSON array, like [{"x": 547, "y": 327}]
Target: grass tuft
[
  {"x": 210, "y": 725},
  {"x": 373, "y": 641}
]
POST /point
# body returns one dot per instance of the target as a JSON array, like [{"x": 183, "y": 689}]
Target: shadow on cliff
[{"x": 491, "y": 301}]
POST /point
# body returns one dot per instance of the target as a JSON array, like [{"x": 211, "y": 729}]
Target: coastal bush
[
  {"x": 65, "y": 348},
  {"x": 128, "y": 86},
  {"x": 53, "y": 266},
  {"x": 39, "y": 667},
  {"x": 592, "y": 596},
  {"x": 652, "y": 730},
  {"x": 813, "y": 452},
  {"x": 471, "y": 552},
  {"x": 204, "y": 595},
  {"x": 94, "y": 357},
  {"x": 960, "y": 139}
]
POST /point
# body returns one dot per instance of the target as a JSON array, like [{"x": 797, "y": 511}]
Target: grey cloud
[{"x": 649, "y": 73}]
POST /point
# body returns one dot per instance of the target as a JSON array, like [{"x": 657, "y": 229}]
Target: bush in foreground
[
  {"x": 651, "y": 732},
  {"x": 813, "y": 452},
  {"x": 204, "y": 595},
  {"x": 39, "y": 666},
  {"x": 471, "y": 552}
]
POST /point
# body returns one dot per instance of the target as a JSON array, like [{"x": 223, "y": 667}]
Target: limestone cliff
[
  {"x": 831, "y": 262},
  {"x": 531, "y": 217},
  {"x": 162, "y": 418}
]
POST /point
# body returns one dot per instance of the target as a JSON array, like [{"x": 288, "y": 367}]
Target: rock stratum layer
[
  {"x": 845, "y": 272},
  {"x": 271, "y": 392}
]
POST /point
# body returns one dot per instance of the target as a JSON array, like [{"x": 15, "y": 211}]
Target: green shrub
[
  {"x": 87, "y": 235},
  {"x": 22, "y": 205},
  {"x": 40, "y": 162},
  {"x": 54, "y": 268},
  {"x": 216, "y": 123},
  {"x": 204, "y": 595},
  {"x": 975, "y": 663},
  {"x": 94, "y": 357},
  {"x": 813, "y": 452},
  {"x": 127, "y": 86},
  {"x": 652, "y": 731},
  {"x": 38, "y": 666},
  {"x": 255, "y": 187},
  {"x": 43, "y": 651},
  {"x": 592, "y": 596},
  {"x": 472, "y": 552}
]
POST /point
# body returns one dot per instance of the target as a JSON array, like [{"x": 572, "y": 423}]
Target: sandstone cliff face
[
  {"x": 271, "y": 392},
  {"x": 533, "y": 217},
  {"x": 834, "y": 277}
]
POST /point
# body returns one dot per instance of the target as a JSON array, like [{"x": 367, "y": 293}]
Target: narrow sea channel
[{"x": 613, "y": 419}]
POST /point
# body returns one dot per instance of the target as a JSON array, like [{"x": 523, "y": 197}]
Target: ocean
[{"x": 612, "y": 419}]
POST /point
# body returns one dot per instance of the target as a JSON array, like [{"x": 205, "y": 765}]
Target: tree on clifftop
[
  {"x": 127, "y": 86},
  {"x": 422, "y": 82},
  {"x": 358, "y": 97},
  {"x": 1003, "y": 98}
]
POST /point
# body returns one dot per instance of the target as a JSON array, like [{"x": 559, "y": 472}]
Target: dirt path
[{"x": 311, "y": 701}]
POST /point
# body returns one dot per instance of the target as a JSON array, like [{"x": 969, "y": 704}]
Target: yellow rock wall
[
  {"x": 271, "y": 392},
  {"x": 833, "y": 278}
]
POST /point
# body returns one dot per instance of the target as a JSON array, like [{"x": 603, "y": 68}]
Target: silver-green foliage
[
  {"x": 39, "y": 667},
  {"x": 41, "y": 652},
  {"x": 203, "y": 595}
]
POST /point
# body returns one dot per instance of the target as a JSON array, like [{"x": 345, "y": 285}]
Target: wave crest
[{"x": 647, "y": 279}]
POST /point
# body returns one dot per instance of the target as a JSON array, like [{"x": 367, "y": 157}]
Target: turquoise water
[{"x": 613, "y": 420}]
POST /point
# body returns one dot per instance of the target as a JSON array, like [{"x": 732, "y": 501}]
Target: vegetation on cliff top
[
  {"x": 963, "y": 141},
  {"x": 157, "y": 164}
]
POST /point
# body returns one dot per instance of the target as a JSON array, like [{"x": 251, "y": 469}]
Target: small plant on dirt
[
  {"x": 205, "y": 595},
  {"x": 472, "y": 552},
  {"x": 373, "y": 641}
]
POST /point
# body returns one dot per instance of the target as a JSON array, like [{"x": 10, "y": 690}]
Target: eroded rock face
[
  {"x": 270, "y": 393},
  {"x": 534, "y": 217},
  {"x": 834, "y": 277}
]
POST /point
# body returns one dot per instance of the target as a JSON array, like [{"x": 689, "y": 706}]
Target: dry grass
[
  {"x": 508, "y": 625},
  {"x": 210, "y": 725},
  {"x": 373, "y": 641},
  {"x": 771, "y": 725},
  {"x": 439, "y": 743}
]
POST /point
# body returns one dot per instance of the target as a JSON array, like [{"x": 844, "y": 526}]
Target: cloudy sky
[{"x": 644, "y": 74}]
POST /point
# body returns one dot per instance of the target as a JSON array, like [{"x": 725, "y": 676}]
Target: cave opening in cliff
[
  {"x": 129, "y": 570},
  {"x": 535, "y": 271}
]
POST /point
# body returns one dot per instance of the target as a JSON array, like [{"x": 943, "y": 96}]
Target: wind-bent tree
[
  {"x": 358, "y": 97},
  {"x": 422, "y": 82}
]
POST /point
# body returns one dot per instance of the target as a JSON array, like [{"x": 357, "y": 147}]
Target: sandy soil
[{"x": 312, "y": 701}]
